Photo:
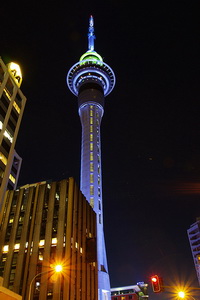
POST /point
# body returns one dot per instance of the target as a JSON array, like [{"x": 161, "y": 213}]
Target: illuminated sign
[{"x": 15, "y": 72}]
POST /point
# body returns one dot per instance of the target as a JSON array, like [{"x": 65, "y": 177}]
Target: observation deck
[{"x": 88, "y": 71}]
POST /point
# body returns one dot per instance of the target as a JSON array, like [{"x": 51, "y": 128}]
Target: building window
[
  {"x": 91, "y": 155},
  {"x": 91, "y": 190},
  {"x": 8, "y": 135},
  {"x": 92, "y": 201},
  {"x": 3, "y": 159},
  {"x": 91, "y": 178},
  {"x": 16, "y": 107},
  {"x": 5, "y": 249},
  {"x": 91, "y": 166},
  {"x": 12, "y": 178}
]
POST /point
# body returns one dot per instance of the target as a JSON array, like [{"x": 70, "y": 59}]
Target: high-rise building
[
  {"x": 42, "y": 225},
  {"x": 91, "y": 79},
  {"x": 12, "y": 103},
  {"x": 194, "y": 239}
]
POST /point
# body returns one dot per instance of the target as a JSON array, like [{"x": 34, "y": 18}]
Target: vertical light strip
[{"x": 91, "y": 157}]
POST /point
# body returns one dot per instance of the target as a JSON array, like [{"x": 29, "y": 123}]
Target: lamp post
[{"x": 57, "y": 269}]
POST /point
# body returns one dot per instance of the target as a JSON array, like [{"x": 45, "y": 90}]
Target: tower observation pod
[{"x": 91, "y": 80}]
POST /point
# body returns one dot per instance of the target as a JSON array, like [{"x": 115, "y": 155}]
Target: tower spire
[{"x": 91, "y": 35}]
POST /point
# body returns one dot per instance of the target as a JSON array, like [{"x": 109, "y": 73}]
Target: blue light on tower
[{"x": 91, "y": 80}]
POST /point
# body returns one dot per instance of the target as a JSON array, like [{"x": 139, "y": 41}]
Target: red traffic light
[
  {"x": 154, "y": 279},
  {"x": 156, "y": 282}
]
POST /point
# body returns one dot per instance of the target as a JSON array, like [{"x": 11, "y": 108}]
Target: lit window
[
  {"x": 54, "y": 241},
  {"x": 91, "y": 128},
  {"x": 91, "y": 120},
  {"x": 81, "y": 250},
  {"x": 91, "y": 190},
  {"x": 91, "y": 137},
  {"x": 11, "y": 220},
  {"x": 91, "y": 167},
  {"x": 17, "y": 246},
  {"x": 7, "y": 94},
  {"x": 3, "y": 158},
  {"x": 92, "y": 201},
  {"x": 41, "y": 243},
  {"x": 8, "y": 135},
  {"x": 91, "y": 146},
  {"x": 1, "y": 125},
  {"x": 91, "y": 113},
  {"x": 91, "y": 178},
  {"x": 12, "y": 178},
  {"x": 40, "y": 257},
  {"x": 16, "y": 107},
  {"x": 5, "y": 249},
  {"x": 91, "y": 155},
  {"x": 76, "y": 245}
]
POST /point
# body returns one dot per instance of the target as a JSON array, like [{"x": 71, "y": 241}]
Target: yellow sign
[{"x": 15, "y": 72}]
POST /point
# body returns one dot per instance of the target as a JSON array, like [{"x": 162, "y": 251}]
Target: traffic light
[{"x": 156, "y": 282}]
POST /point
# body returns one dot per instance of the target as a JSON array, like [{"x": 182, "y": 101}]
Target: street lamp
[
  {"x": 57, "y": 269},
  {"x": 182, "y": 295}
]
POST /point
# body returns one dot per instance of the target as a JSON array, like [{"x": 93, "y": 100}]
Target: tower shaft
[{"x": 91, "y": 102}]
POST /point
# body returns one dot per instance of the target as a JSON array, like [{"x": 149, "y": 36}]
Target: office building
[
  {"x": 134, "y": 292},
  {"x": 91, "y": 79},
  {"x": 194, "y": 239},
  {"x": 42, "y": 225},
  {"x": 12, "y": 103},
  {"x": 6, "y": 294}
]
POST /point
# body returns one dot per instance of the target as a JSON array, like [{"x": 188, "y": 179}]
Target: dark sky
[{"x": 150, "y": 129}]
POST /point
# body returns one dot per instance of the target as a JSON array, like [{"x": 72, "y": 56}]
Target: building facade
[
  {"x": 134, "y": 292},
  {"x": 194, "y": 239},
  {"x": 6, "y": 294},
  {"x": 91, "y": 80},
  {"x": 12, "y": 103},
  {"x": 44, "y": 224}
]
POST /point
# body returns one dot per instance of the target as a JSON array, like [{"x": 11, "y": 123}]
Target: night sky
[{"x": 151, "y": 125}]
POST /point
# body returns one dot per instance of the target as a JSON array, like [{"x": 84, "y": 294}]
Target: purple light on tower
[{"x": 91, "y": 80}]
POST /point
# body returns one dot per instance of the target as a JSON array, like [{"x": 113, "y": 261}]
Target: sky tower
[{"x": 91, "y": 80}]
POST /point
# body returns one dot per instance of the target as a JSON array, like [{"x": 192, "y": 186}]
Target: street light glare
[
  {"x": 181, "y": 294},
  {"x": 58, "y": 268}
]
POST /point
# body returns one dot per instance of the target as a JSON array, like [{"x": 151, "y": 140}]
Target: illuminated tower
[{"x": 91, "y": 80}]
